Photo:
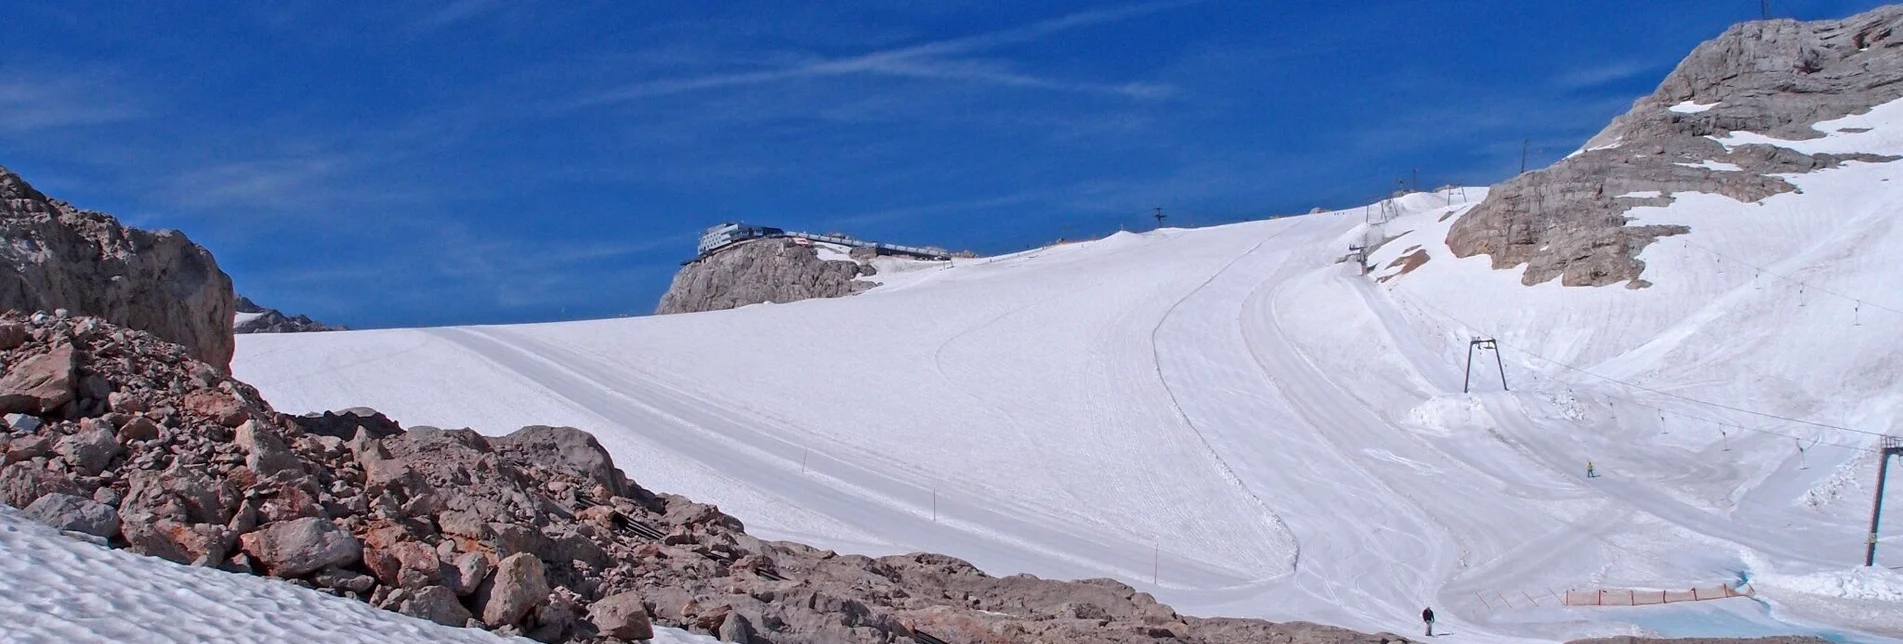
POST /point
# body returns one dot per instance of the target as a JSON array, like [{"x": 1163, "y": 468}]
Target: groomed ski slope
[
  {"x": 1263, "y": 431},
  {"x": 64, "y": 589}
]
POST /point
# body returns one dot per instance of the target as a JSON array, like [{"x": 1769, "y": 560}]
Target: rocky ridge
[
  {"x": 1775, "y": 77},
  {"x": 54, "y": 256},
  {"x": 252, "y": 318},
  {"x": 116, "y": 435},
  {"x": 763, "y": 270}
]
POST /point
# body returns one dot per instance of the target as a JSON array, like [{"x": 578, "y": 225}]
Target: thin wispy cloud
[
  {"x": 1603, "y": 74},
  {"x": 933, "y": 60},
  {"x": 36, "y": 102},
  {"x": 455, "y": 12}
]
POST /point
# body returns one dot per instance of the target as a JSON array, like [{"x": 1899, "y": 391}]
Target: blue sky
[{"x": 487, "y": 161}]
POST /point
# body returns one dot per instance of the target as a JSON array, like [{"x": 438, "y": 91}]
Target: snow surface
[
  {"x": 1235, "y": 421},
  {"x": 1641, "y": 194},
  {"x": 238, "y": 319},
  {"x": 1691, "y": 107},
  {"x": 57, "y": 588}
]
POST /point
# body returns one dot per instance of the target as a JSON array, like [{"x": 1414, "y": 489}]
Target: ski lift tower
[
  {"x": 1485, "y": 344},
  {"x": 1890, "y": 446}
]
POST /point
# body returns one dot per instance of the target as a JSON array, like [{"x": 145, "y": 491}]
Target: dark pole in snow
[
  {"x": 1891, "y": 446},
  {"x": 1467, "y": 378},
  {"x": 1524, "y": 144}
]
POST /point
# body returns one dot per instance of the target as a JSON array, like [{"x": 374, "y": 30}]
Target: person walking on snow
[
  {"x": 1427, "y": 615},
  {"x": 1590, "y": 473}
]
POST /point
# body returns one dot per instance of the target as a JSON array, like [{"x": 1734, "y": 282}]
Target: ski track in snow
[{"x": 1260, "y": 428}]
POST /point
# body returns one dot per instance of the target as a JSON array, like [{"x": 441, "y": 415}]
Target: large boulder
[
  {"x": 68, "y": 512},
  {"x": 302, "y": 546},
  {"x": 54, "y": 256},
  {"x": 436, "y": 604},
  {"x": 563, "y": 449},
  {"x": 519, "y": 585},
  {"x": 622, "y": 616},
  {"x": 40, "y": 384}
]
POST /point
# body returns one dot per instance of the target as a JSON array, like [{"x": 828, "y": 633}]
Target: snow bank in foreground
[
  {"x": 61, "y": 589},
  {"x": 1873, "y": 583}
]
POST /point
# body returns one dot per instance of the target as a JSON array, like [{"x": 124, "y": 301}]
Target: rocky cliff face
[
  {"x": 54, "y": 256},
  {"x": 1775, "y": 77},
  {"x": 766, "y": 270},
  {"x": 252, "y": 318},
  {"x": 536, "y": 533}
]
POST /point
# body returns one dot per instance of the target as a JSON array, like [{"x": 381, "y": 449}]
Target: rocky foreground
[{"x": 119, "y": 436}]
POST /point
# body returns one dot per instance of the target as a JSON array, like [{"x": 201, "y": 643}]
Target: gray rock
[
  {"x": 90, "y": 449},
  {"x": 471, "y": 569},
  {"x": 68, "y": 512},
  {"x": 125, "y": 402},
  {"x": 518, "y": 586},
  {"x": 24, "y": 482},
  {"x": 40, "y": 384},
  {"x": 555, "y": 620},
  {"x": 1777, "y": 77},
  {"x": 765, "y": 270},
  {"x": 736, "y": 629},
  {"x": 265, "y": 451},
  {"x": 23, "y": 422},
  {"x": 298, "y": 547},
  {"x": 563, "y": 449},
  {"x": 341, "y": 579},
  {"x": 61, "y": 257},
  {"x": 621, "y": 616},
  {"x": 345, "y": 424},
  {"x": 436, "y": 604}
]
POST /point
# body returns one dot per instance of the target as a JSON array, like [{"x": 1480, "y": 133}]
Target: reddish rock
[{"x": 41, "y": 384}]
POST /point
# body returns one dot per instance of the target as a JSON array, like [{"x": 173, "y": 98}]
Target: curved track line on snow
[
  {"x": 737, "y": 447},
  {"x": 1228, "y": 472}
]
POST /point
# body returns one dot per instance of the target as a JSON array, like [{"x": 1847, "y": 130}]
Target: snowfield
[
  {"x": 65, "y": 589},
  {"x": 1236, "y": 421}
]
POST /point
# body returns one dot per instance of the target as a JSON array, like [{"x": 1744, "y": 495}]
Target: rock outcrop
[
  {"x": 54, "y": 256},
  {"x": 252, "y": 318},
  {"x": 1776, "y": 77},
  {"x": 535, "y": 534},
  {"x": 764, "y": 270}
]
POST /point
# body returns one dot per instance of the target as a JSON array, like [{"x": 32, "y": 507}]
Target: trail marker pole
[
  {"x": 1156, "y": 563},
  {"x": 803, "y": 456},
  {"x": 934, "y": 505},
  {"x": 1891, "y": 446}
]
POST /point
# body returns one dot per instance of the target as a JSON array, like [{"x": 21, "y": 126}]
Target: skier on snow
[{"x": 1427, "y": 615}]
